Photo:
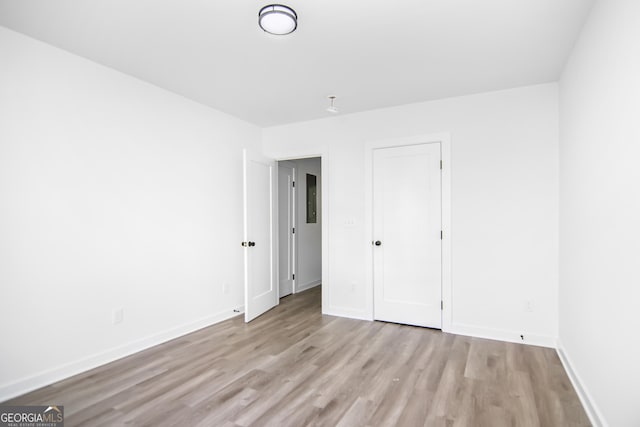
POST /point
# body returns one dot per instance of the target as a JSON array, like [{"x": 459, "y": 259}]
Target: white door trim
[
  {"x": 445, "y": 143},
  {"x": 294, "y": 200},
  {"x": 293, "y": 211}
]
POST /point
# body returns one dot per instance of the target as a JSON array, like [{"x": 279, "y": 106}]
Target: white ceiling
[{"x": 371, "y": 54}]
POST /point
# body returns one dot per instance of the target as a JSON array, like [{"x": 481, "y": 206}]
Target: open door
[{"x": 259, "y": 243}]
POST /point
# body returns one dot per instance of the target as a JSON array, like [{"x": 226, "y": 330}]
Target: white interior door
[
  {"x": 260, "y": 289},
  {"x": 407, "y": 252},
  {"x": 286, "y": 225}
]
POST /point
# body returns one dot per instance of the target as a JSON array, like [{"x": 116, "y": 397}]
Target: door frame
[
  {"x": 294, "y": 201},
  {"x": 323, "y": 154},
  {"x": 444, "y": 139}
]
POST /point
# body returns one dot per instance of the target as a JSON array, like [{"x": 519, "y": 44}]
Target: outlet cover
[
  {"x": 528, "y": 306},
  {"x": 118, "y": 316}
]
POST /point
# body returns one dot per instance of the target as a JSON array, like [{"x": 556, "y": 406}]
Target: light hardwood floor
[{"x": 295, "y": 367}]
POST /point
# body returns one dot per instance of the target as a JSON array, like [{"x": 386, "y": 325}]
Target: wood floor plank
[{"x": 295, "y": 367}]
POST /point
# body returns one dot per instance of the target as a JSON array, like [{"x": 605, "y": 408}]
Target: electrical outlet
[
  {"x": 528, "y": 306},
  {"x": 118, "y": 316}
]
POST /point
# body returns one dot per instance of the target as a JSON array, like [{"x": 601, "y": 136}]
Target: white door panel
[
  {"x": 407, "y": 223},
  {"x": 261, "y": 293}
]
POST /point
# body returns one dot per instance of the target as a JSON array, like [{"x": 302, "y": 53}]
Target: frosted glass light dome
[{"x": 278, "y": 19}]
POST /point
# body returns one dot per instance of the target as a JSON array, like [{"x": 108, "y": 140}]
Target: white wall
[
  {"x": 504, "y": 204},
  {"x": 309, "y": 236},
  {"x": 113, "y": 193},
  {"x": 600, "y": 213}
]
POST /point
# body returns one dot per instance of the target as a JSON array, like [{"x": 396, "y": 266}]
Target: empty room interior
[{"x": 356, "y": 213}]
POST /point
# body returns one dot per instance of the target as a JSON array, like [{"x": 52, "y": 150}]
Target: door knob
[{"x": 378, "y": 243}]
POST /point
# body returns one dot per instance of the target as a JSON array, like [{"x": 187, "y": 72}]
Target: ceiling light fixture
[
  {"x": 278, "y": 19},
  {"x": 332, "y": 108}
]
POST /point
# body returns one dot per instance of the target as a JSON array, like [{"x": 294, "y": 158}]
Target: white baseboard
[
  {"x": 460, "y": 329},
  {"x": 346, "y": 312},
  {"x": 592, "y": 410},
  {"x": 305, "y": 286},
  {"x": 503, "y": 335},
  {"x": 41, "y": 379}
]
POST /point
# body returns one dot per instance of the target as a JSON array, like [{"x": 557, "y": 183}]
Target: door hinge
[
  {"x": 293, "y": 183},
  {"x": 440, "y": 164},
  {"x": 440, "y": 234},
  {"x": 441, "y": 305},
  {"x": 293, "y": 277},
  {"x": 293, "y": 230}
]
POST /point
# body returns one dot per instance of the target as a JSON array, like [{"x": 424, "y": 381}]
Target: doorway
[{"x": 299, "y": 225}]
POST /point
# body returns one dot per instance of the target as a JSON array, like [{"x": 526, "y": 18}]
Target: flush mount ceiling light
[
  {"x": 278, "y": 19},
  {"x": 332, "y": 108}
]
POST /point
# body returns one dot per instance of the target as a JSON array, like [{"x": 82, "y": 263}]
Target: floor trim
[
  {"x": 309, "y": 285},
  {"x": 503, "y": 335},
  {"x": 594, "y": 414},
  {"x": 41, "y": 379}
]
